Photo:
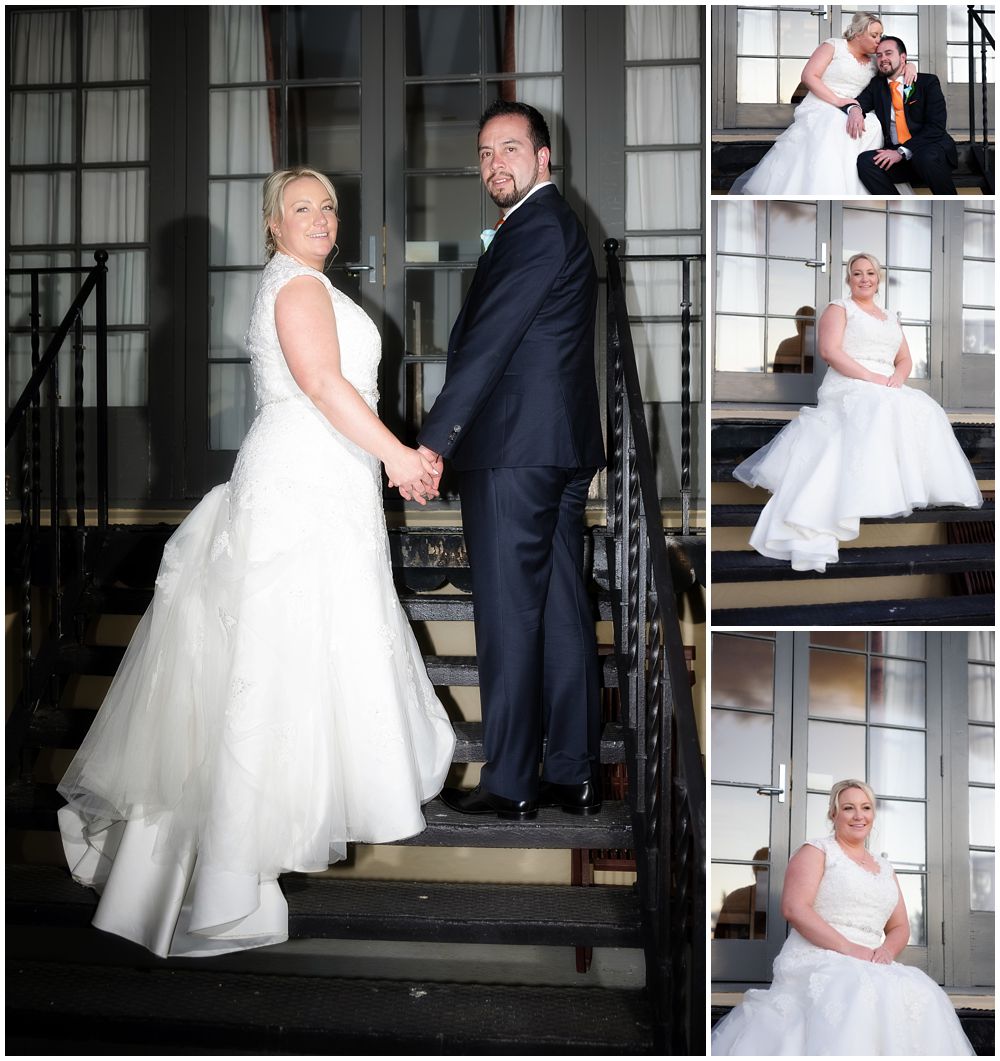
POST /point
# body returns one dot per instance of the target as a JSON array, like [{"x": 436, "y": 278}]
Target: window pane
[
  {"x": 741, "y": 822},
  {"x": 443, "y": 219},
  {"x": 918, "y": 339},
  {"x": 864, "y": 233},
  {"x": 324, "y": 128},
  {"x": 791, "y": 78},
  {"x": 740, "y": 227},
  {"x": 545, "y": 95},
  {"x": 982, "y": 810},
  {"x": 739, "y": 901},
  {"x": 799, "y": 33},
  {"x": 742, "y": 672},
  {"x": 244, "y": 130},
  {"x": 914, "y": 889},
  {"x": 40, "y": 46},
  {"x": 441, "y": 125},
  {"x": 433, "y": 299},
  {"x": 647, "y": 174},
  {"x": 897, "y": 762},
  {"x": 41, "y": 208},
  {"x": 662, "y": 105},
  {"x": 978, "y": 287},
  {"x": 791, "y": 230},
  {"x": 756, "y": 81},
  {"x": 127, "y": 289},
  {"x": 979, "y": 235},
  {"x": 835, "y": 751},
  {"x": 978, "y": 332},
  {"x": 115, "y": 125},
  {"x": 836, "y": 687},
  {"x": 658, "y": 356},
  {"x": 817, "y": 822},
  {"x": 244, "y": 43},
  {"x": 323, "y": 41},
  {"x": 756, "y": 32},
  {"x": 982, "y": 693},
  {"x": 114, "y": 45},
  {"x": 55, "y": 293},
  {"x": 900, "y": 834},
  {"x": 853, "y": 639},
  {"x": 740, "y": 284},
  {"x": 741, "y": 746},
  {"x": 739, "y": 344},
  {"x": 910, "y": 294},
  {"x": 958, "y": 66},
  {"x": 442, "y": 40},
  {"x": 982, "y": 880},
  {"x": 114, "y": 206},
  {"x": 230, "y": 405},
  {"x": 982, "y": 753},
  {"x": 791, "y": 288},
  {"x": 523, "y": 39},
  {"x": 910, "y": 241},
  {"x": 791, "y": 344},
  {"x": 897, "y": 692},
  {"x": 898, "y": 642},
  {"x": 654, "y": 288},
  {"x": 230, "y": 299},
  {"x": 41, "y": 128},
  {"x": 662, "y": 32},
  {"x": 981, "y": 645},
  {"x": 236, "y": 235}
]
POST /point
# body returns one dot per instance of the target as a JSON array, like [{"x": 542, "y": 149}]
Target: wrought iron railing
[
  {"x": 980, "y": 150},
  {"x": 24, "y": 422},
  {"x": 667, "y": 775}
]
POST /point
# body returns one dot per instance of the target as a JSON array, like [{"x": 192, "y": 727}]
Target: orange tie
[
  {"x": 499, "y": 223},
  {"x": 902, "y": 132}
]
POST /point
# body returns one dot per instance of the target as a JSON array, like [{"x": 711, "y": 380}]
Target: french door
[{"x": 792, "y": 714}]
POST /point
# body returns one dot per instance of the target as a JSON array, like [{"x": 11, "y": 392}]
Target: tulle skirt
[
  {"x": 271, "y": 708},
  {"x": 865, "y": 451}
]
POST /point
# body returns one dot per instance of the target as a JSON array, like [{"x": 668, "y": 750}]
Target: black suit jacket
[
  {"x": 925, "y": 110},
  {"x": 521, "y": 389}
]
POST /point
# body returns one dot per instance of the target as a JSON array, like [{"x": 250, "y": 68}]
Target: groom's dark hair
[
  {"x": 538, "y": 131},
  {"x": 899, "y": 44}
]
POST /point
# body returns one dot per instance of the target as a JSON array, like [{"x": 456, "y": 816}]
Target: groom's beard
[
  {"x": 505, "y": 200},
  {"x": 891, "y": 72}
]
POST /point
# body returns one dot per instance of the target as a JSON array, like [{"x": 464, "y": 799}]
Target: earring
[{"x": 336, "y": 251}]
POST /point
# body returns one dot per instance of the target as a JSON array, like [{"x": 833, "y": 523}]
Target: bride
[
  {"x": 872, "y": 447},
  {"x": 837, "y": 986},
  {"x": 816, "y": 155},
  {"x": 272, "y": 706}
]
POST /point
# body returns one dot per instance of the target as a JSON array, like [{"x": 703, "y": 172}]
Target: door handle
[
  {"x": 359, "y": 267},
  {"x": 818, "y": 263},
  {"x": 767, "y": 790}
]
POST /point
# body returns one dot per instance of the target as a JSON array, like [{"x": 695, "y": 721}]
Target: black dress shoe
[
  {"x": 479, "y": 801},
  {"x": 584, "y": 798}
]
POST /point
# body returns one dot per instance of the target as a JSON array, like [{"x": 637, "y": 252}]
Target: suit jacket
[
  {"x": 521, "y": 389},
  {"x": 925, "y": 110}
]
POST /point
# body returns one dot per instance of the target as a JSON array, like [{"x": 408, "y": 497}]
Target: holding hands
[{"x": 416, "y": 473}]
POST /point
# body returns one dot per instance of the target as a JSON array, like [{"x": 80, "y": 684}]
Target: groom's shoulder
[{"x": 928, "y": 79}]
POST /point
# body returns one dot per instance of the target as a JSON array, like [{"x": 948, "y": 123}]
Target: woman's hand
[
  {"x": 416, "y": 477},
  {"x": 909, "y": 74},
  {"x": 863, "y": 954},
  {"x": 880, "y": 956},
  {"x": 878, "y": 379},
  {"x": 897, "y": 379}
]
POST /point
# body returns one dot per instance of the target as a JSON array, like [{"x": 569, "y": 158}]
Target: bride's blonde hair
[
  {"x": 861, "y": 21},
  {"x": 879, "y": 268},
  {"x": 274, "y": 199},
  {"x": 842, "y": 786}
]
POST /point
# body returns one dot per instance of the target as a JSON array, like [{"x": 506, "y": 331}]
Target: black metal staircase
[{"x": 70, "y": 984}]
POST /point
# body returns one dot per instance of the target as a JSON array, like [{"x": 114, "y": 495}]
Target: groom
[
  {"x": 913, "y": 122},
  {"x": 518, "y": 419}
]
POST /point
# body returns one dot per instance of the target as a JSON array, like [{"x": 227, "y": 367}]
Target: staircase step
[
  {"x": 202, "y": 1011},
  {"x": 442, "y": 670},
  {"x": 62, "y": 727},
  {"x": 747, "y": 515},
  {"x": 977, "y": 610},
  {"x": 32, "y": 805},
  {"x": 420, "y": 911},
  {"x": 749, "y": 566}
]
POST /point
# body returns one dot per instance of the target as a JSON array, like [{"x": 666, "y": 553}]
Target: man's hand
[
  {"x": 855, "y": 123},
  {"x": 887, "y": 157},
  {"x": 415, "y": 474},
  {"x": 434, "y": 459}
]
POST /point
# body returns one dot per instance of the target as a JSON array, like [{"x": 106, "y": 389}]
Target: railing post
[
  {"x": 78, "y": 351},
  {"x": 101, "y": 379},
  {"x": 55, "y": 469},
  {"x": 686, "y": 396},
  {"x": 972, "y": 78}
]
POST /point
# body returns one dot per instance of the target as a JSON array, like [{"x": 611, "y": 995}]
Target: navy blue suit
[{"x": 519, "y": 420}]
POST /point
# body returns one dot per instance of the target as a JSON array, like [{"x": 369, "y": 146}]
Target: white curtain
[
  {"x": 662, "y": 32},
  {"x": 538, "y": 48}
]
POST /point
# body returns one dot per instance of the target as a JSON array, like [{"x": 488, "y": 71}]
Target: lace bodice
[
  {"x": 854, "y": 901},
  {"x": 845, "y": 75},
  {"x": 360, "y": 344},
  {"x": 868, "y": 339}
]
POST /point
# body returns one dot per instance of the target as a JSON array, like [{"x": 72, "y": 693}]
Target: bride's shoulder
[{"x": 836, "y": 43}]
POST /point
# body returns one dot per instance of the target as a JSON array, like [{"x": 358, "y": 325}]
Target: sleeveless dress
[
  {"x": 273, "y": 705},
  {"x": 823, "y": 1003},
  {"x": 815, "y": 155},
  {"x": 866, "y": 450}
]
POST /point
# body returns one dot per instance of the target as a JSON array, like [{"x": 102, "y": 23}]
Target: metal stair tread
[
  {"x": 747, "y": 515},
  {"x": 750, "y": 566},
  {"x": 291, "y": 1014},
  {"x": 978, "y": 609},
  {"x": 330, "y": 908},
  {"x": 32, "y": 805}
]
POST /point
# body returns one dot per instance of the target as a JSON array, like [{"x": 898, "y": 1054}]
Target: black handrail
[
  {"x": 26, "y": 411},
  {"x": 667, "y": 775},
  {"x": 981, "y": 151}
]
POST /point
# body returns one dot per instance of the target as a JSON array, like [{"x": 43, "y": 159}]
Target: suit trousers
[
  {"x": 535, "y": 640},
  {"x": 931, "y": 167}
]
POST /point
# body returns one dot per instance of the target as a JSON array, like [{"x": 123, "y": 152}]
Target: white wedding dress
[
  {"x": 821, "y": 1003},
  {"x": 865, "y": 450},
  {"x": 815, "y": 155},
  {"x": 273, "y": 705}
]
